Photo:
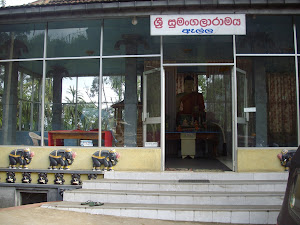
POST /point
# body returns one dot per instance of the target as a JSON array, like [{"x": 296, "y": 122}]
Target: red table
[{"x": 55, "y": 137}]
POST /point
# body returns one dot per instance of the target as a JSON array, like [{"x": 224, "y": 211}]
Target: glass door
[
  {"x": 151, "y": 108},
  {"x": 198, "y": 114}
]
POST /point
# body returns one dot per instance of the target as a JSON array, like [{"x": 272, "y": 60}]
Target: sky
[{"x": 17, "y": 2}]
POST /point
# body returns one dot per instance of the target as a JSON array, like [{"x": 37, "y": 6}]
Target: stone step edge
[
  {"x": 176, "y": 193},
  {"x": 255, "y": 208},
  {"x": 171, "y": 175},
  {"x": 196, "y": 182}
]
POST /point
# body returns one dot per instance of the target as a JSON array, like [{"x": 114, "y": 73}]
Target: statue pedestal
[{"x": 188, "y": 144}]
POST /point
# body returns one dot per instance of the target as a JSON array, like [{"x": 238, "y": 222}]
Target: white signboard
[
  {"x": 217, "y": 24},
  {"x": 250, "y": 109},
  {"x": 151, "y": 144}
]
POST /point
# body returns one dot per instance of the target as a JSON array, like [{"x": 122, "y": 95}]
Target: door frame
[
  {"x": 146, "y": 119},
  {"x": 234, "y": 106}
]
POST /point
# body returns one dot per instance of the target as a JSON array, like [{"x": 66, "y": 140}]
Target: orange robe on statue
[
  {"x": 192, "y": 105},
  {"x": 190, "y": 102}
]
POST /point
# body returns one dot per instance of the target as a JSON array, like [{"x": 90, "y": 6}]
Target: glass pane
[
  {"x": 267, "y": 34},
  {"x": 71, "y": 102},
  {"x": 152, "y": 106},
  {"x": 298, "y": 93},
  {"x": 121, "y": 37},
  {"x": 20, "y": 41},
  {"x": 20, "y": 101},
  {"x": 153, "y": 93},
  {"x": 297, "y": 22},
  {"x": 122, "y": 102},
  {"x": 198, "y": 49},
  {"x": 153, "y": 133},
  {"x": 267, "y": 105},
  {"x": 74, "y": 38}
]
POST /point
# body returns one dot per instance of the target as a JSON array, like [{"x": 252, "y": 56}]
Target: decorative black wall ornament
[
  {"x": 59, "y": 178},
  {"x": 11, "y": 177},
  {"x": 42, "y": 178},
  {"x": 26, "y": 177},
  {"x": 76, "y": 179},
  {"x": 61, "y": 192},
  {"x": 108, "y": 158},
  {"x": 92, "y": 176},
  {"x": 61, "y": 157},
  {"x": 22, "y": 157},
  {"x": 285, "y": 158}
]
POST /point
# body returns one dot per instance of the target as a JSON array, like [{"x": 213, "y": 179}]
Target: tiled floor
[{"x": 197, "y": 164}]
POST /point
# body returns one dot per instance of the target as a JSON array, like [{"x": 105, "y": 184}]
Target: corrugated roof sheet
[
  {"x": 62, "y": 2},
  {"x": 164, "y": 2}
]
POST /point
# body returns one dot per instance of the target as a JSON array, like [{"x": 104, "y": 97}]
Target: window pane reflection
[
  {"x": 124, "y": 87},
  {"x": 267, "y": 105},
  {"x": 297, "y": 22},
  {"x": 20, "y": 41},
  {"x": 121, "y": 37},
  {"x": 267, "y": 34},
  {"x": 74, "y": 38},
  {"x": 71, "y": 102},
  {"x": 20, "y": 101},
  {"x": 198, "y": 49}
]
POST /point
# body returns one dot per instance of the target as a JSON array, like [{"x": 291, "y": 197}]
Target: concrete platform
[
  {"x": 206, "y": 213},
  {"x": 35, "y": 215}
]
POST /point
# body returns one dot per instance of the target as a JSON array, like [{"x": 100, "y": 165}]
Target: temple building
[{"x": 181, "y": 85}]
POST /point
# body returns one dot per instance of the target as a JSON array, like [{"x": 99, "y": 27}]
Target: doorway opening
[
  {"x": 26, "y": 198},
  {"x": 198, "y": 118}
]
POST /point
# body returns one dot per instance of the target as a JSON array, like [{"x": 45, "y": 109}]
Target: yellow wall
[
  {"x": 142, "y": 159},
  {"x": 135, "y": 159},
  {"x": 259, "y": 160}
]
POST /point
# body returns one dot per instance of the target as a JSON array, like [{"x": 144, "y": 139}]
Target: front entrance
[{"x": 198, "y": 118}]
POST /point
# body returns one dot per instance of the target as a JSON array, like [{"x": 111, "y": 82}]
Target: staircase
[{"x": 227, "y": 197}]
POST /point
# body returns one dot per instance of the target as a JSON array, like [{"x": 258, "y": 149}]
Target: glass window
[
  {"x": 20, "y": 41},
  {"x": 73, "y": 38},
  {"x": 121, "y": 37},
  {"x": 267, "y": 104},
  {"x": 298, "y": 93},
  {"x": 129, "y": 89},
  {"x": 198, "y": 49},
  {"x": 297, "y": 22},
  {"x": 71, "y": 105},
  {"x": 20, "y": 101},
  {"x": 266, "y": 34}
]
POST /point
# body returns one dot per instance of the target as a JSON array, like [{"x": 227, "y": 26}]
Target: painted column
[{"x": 131, "y": 43}]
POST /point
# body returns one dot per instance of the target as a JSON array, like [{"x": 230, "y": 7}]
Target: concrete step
[
  {"x": 170, "y": 175},
  {"x": 204, "y": 213},
  {"x": 250, "y": 198},
  {"x": 176, "y": 198},
  {"x": 188, "y": 185}
]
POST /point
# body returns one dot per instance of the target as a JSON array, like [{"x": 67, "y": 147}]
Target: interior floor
[
  {"x": 226, "y": 160},
  {"x": 198, "y": 164}
]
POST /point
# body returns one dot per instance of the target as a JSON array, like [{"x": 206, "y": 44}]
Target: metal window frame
[
  {"x": 297, "y": 78},
  {"x": 233, "y": 113},
  {"x": 44, "y": 59}
]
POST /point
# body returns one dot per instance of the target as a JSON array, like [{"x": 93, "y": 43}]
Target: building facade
[{"x": 70, "y": 69}]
